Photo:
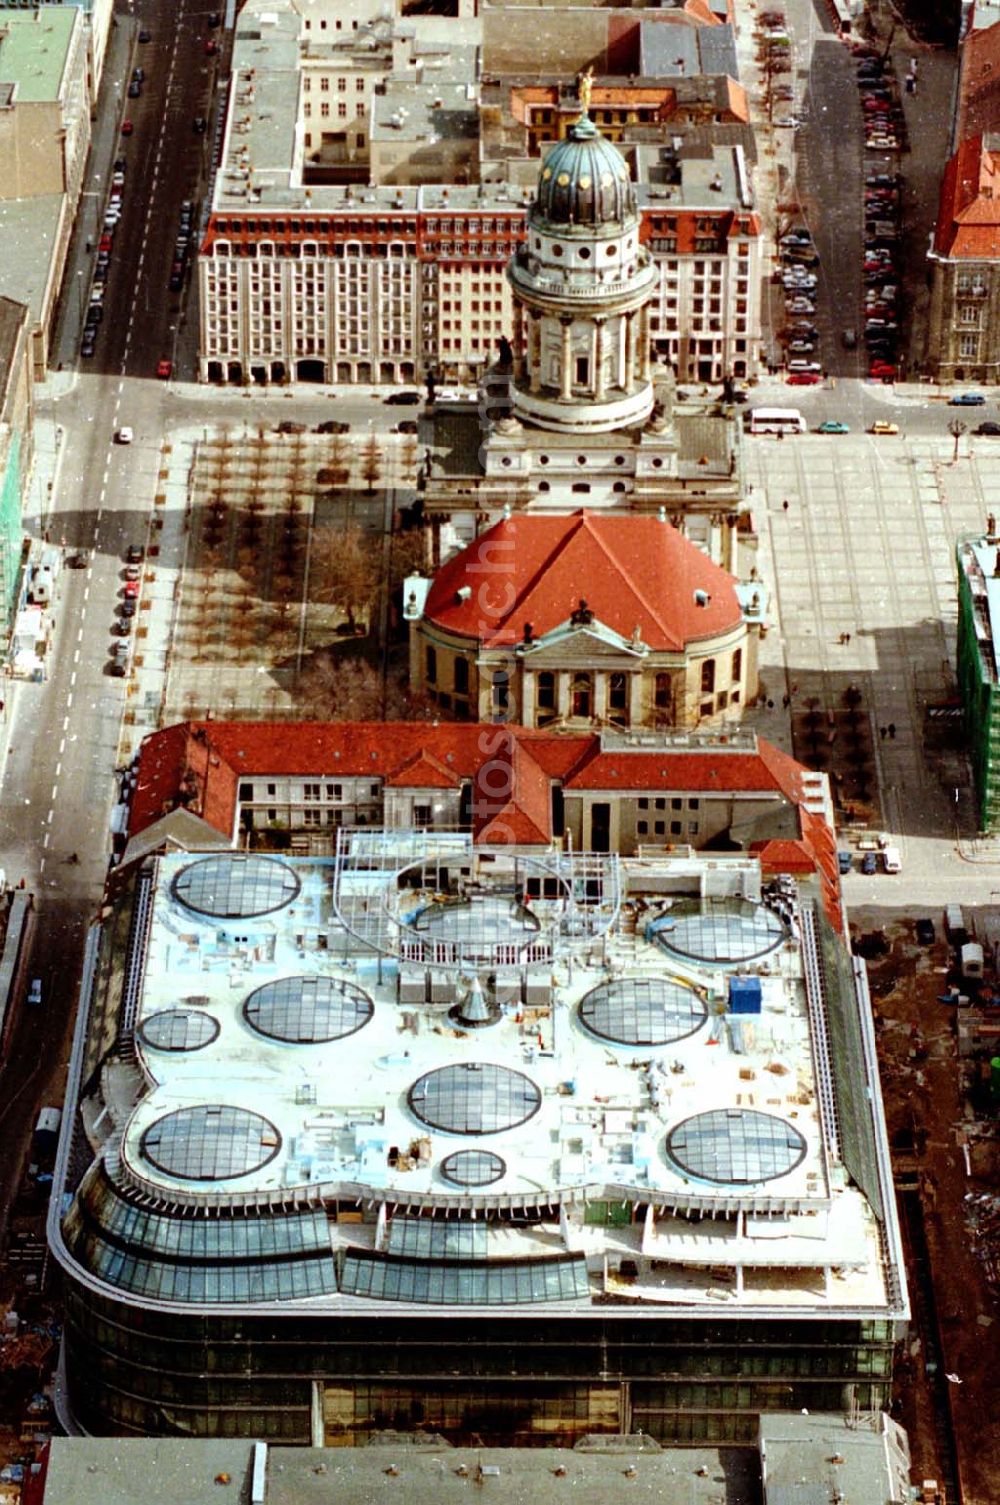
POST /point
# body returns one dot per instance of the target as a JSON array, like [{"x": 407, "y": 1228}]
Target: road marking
[
  {"x": 79, "y": 636},
  {"x": 72, "y": 680},
  {"x": 100, "y": 514},
  {"x": 58, "y": 769},
  {"x": 76, "y": 656},
  {"x": 121, "y": 387},
  {"x": 62, "y": 746},
  {"x": 47, "y": 838},
  {"x": 65, "y": 727},
  {"x": 86, "y": 592},
  {"x": 51, "y": 814},
  {"x": 107, "y": 472},
  {"x": 69, "y": 702},
  {"x": 41, "y": 866}
]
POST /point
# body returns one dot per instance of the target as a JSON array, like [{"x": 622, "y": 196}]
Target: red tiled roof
[
  {"x": 740, "y": 772},
  {"x": 512, "y": 795},
  {"x": 423, "y": 771},
  {"x": 968, "y": 223},
  {"x": 635, "y": 572},
  {"x": 979, "y": 83}
]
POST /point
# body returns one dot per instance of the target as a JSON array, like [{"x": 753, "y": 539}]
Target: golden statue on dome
[{"x": 584, "y": 86}]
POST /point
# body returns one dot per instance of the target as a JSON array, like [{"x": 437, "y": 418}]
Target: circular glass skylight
[
  {"x": 234, "y": 887},
  {"x": 720, "y": 930},
  {"x": 178, "y": 1029},
  {"x": 642, "y": 1011},
  {"x": 473, "y": 1168},
  {"x": 475, "y": 1098},
  {"x": 307, "y": 1010},
  {"x": 210, "y": 1143},
  {"x": 735, "y": 1146}
]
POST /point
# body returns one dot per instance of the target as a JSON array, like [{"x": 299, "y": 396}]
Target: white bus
[{"x": 776, "y": 421}]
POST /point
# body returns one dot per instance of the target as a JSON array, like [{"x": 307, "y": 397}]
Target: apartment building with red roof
[
  {"x": 294, "y": 785},
  {"x": 964, "y": 325}
]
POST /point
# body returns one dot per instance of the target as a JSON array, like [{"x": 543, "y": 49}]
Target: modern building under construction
[{"x": 510, "y": 1146}]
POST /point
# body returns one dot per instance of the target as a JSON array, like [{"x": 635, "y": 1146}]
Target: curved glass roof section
[
  {"x": 722, "y": 932},
  {"x": 735, "y": 1146},
  {"x": 473, "y": 1168},
  {"x": 474, "y": 1098},
  {"x": 642, "y": 1011},
  {"x": 308, "y": 1010},
  {"x": 385, "y": 1277},
  {"x": 210, "y": 1142},
  {"x": 281, "y": 1258},
  {"x": 232, "y": 886},
  {"x": 178, "y": 1029}
]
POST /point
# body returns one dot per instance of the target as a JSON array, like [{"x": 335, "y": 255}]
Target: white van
[{"x": 891, "y": 860}]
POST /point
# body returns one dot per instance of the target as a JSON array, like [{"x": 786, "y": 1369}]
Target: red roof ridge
[
  {"x": 423, "y": 758},
  {"x": 613, "y": 559}
]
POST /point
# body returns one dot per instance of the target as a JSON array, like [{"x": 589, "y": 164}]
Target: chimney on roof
[
  {"x": 701, "y": 597},
  {"x": 464, "y": 593},
  {"x": 529, "y": 631}
]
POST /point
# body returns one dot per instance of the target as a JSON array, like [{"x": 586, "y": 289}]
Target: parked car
[
  {"x": 199, "y": 125},
  {"x": 288, "y": 426},
  {"x": 332, "y": 426},
  {"x": 134, "y": 89},
  {"x": 211, "y": 46},
  {"x": 35, "y": 991},
  {"x": 87, "y": 347},
  {"x": 127, "y": 607},
  {"x": 117, "y": 668},
  {"x": 122, "y": 628},
  {"x": 135, "y": 553},
  {"x": 138, "y": 75},
  {"x": 833, "y": 426},
  {"x": 78, "y": 561},
  {"x": 127, "y": 127},
  {"x": 845, "y": 861},
  {"x": 123, "y": 435},
  {"x": 967, "y": 400},
  {"x": 164, "y": 369},
  {"x": 925, "y": 931},
  {"x": 988, "y": 430},
  {"x": 883, "y": 426},
  {"x": 402, "y": 399},
  {"x": 131, "y": 588},
  {"x": 145, "y": 35},
  {"x": 804, "y": 379},
  {"x": 869, "y": 864}
]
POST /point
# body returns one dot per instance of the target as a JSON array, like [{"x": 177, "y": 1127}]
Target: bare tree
[
  {"x": 371, "y": 463},
  {"x": 408, "y": 556},
  {"x": 339, "y": 686},
  {"x": 345, "y": 570}
]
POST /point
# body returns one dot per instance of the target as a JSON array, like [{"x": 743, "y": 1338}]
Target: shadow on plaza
[{"x": 864, "y": 727}]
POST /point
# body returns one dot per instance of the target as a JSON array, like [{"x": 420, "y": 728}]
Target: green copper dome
[{"x": 584, "y": 180}]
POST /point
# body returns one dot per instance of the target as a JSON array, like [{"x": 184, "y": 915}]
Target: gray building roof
[
  {"x": 666, "y": 50},
  {"x": 12, "y": 318}
]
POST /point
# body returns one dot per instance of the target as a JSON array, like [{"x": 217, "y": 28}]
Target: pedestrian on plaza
[
  {"x": 882, "y": 732},
  {"x": 770, "y": 705},
  {"x": 786, "y": 701},
  {"x": 892, "y": 730},
  {"x": 784, "y": 505},
  {"x": 847, "y": 637}
]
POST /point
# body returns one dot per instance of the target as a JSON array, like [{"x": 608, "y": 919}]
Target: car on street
[
  {"x": 199, "y": 125},
  {"x": 35, "y": 991},
  {"x": 121, "y": 164},
  {"x": 122, "y": 628},
  {"x": 804, "y": 379},
  {"x": 869, "y": 864},
  {"x": 176, "y": 282},
  {"x": 87, "y": 347},
  {"x": 117, "y": 668},
  {"x": 133, "y": 571},
  {"x": 105, "y": 243},
  {"x": 79, "y": 561},
  {"x": 127, "y": 127},
  {"x": 101, "y": 272},
  {"x": 215, "y": 19},
  {"x": 138, "y": 75},
  {"x": 118, "y": 179},
  {"x": 211, "y": 46},
  {"x": 833, "y": 426},
  {"x": 145, "y": 35},
  {"x": 925, "y": 931},
  {"x": 988, "y": 429},
  {"x": 127, "y": 607},
  {"x": 94, "y": 314},
  {"x": 883, "y": 426},
  {"x": 134, "y": 89},
  {"x": 882, "y": 371},
  {"x": 130, "y": 589},
  {"x": 967, "y": 400},
  {"x": 123, "y": 435},
  {"x": 845, "y": 861},
  {"x": 849, "y": 338},
  {"x": 289, "y": 426},
  {"x": 135, "y": 553},
  {"x": 164, "y": 368},
  {"x": 332, "y": 426},
  {"x": 402, "y": 399},
  {"x": 789, "y": 122},
  {"x": 407, "y": 426}
]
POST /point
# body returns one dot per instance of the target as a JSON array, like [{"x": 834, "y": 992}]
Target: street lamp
[{"x": 956, "y": 429}]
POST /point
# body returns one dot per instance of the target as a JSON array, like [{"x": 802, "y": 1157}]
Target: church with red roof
[{"x": 582, "y": 621}]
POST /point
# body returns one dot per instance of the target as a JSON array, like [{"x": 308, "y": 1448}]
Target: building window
[
  {"x": 272, "y": 789},
  {"x": 311, "y": 817},
  {"x": 461, "y": 676},
  {"x": 968, "y": 346},
  {"x": 708, "y": 676},
  {"x": 581, "y": 696},
  {"x": 422, "y": 815},
  {"x": 431, "y": 671},
  {"x": 737, "y": 665},
  {"x": 582, "y": 370},
  {"x": 333, "y": 791},
  {"x": 546, "y": 691},
  {"x": 618, "y": 696},
  {"x": 501, "y": 692},
  {"x": 310, "y": 791},
  {"x": 661, "y": 693},
  {"x": 642, "y": 827},
  {"x": 705, "y": 709},
  {"x": 675, "y": 828},
  {"x": 246, "y": 791}
]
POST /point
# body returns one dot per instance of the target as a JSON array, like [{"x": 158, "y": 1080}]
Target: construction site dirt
[{"x": 944, "y": 1146}]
